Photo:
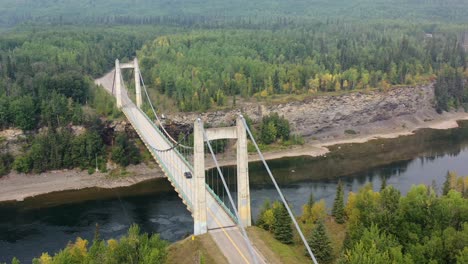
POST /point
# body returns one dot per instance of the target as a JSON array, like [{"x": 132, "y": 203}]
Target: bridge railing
[
  {"x": 222, "y": 204},
  {"x": 160, "y": 161},
  {"x": 167, "y": 140},
  {"x": 157, "y": 156}
]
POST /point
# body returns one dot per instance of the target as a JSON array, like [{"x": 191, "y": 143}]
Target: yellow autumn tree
[
  {"x": 45, "y": 259},
  {"x": 113, "y": 244},
  {"x": 326, "y": 80},
  {"x": 80, "y": 248},
  {"x": 318, "y": 211},
  {"x": 313, "y": 85}
]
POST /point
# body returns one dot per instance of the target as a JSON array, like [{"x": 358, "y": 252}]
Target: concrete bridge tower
[
  {"x": 118, "y": 84},
  {"x": 243, "y": 203}
]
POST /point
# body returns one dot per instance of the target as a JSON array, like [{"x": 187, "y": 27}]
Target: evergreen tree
[
  {"x": 311, "y": 200},
  {"x": 282, "y": 226},
  {"x": 276, "y": 82},
  {"x": 307, "y": 209},
  {"x": 450, "y": 177},
  {"x": 320, "y": 244},
  {"x": 384, "y": 183},
  {"x": 338, "y": 205},
  {"x": 125, "y": 152}
]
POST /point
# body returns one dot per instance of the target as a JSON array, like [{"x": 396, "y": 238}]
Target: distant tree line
[
  {"x": 212, "y": 68},
  {"x": 214, "y": 12}
]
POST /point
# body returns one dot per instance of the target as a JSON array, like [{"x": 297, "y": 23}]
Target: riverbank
[
  {"x": 17, "y": 187},
  {"x": 320, "y": 147}
]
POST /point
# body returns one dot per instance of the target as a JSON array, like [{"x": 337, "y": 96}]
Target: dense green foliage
[
  {"x": 202, "y": 69},
  {"x": 276, "y": 219},
  {"x": 62, "y": 149},
  {"x": 130, "y": 249},
  {"x": 45, "y": 75},
  {"x": 273, "y": 128},
  {"x": 266, "y": 217},
  {"x": 46, "y": 83},
  {"x": 385, "y": 227},
  {"x": 6, "y": 162},
  {"x": 124, "y": 152},
  {"x": 451, "y": 88},
  {"x": 419, "y": 228}
]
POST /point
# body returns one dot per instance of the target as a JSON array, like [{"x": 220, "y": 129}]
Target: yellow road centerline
[
  {"x": 177, "y": 168},
  {"x": 228, "y": 236}
]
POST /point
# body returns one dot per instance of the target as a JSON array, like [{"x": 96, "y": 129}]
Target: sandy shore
[{"x": 19, "y": 186}]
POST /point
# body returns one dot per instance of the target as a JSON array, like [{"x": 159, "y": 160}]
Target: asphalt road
[{"x": 222, "y": 228}]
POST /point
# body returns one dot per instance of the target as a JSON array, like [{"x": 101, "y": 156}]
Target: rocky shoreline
[
  {"x": 17, "y": 187},
  {"x": 329, "y": 117},
  {"x": 324, "y": 121}
]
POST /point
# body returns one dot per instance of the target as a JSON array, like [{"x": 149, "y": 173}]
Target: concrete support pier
[
  {"x": 243, "y": 187},
  {"x": 239, "y": 133},
  {"x": 118, "y": 85},
  {"x": 199, "y": 203}
]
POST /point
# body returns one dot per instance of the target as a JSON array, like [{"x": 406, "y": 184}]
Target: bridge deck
[
  {"x": 221, "y": 227},
  {"x": 170, "y": 162}
]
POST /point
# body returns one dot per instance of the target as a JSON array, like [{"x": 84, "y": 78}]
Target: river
[{"x": 47, "y": 223}]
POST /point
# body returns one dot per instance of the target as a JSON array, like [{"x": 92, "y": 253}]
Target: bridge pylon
[
  {"x": 137, "y": 83},
  {"x": 118, "y": 84},
  {"x": 239, "y": 133},
  {"x": 118, "y": 81}
]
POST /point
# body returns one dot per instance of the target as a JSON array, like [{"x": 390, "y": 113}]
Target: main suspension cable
[
  {"x": 123, "y": 91},
  {"x": 157, "y": 118}
]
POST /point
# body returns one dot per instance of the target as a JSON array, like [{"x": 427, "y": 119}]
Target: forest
[
  {"x": 218, "y": 55},
  {"x": 46, "y": 85},
  {"x": 197, "y": 61},
  {"x": 427, "y": 225},
  {"x": 200, "y": 60},
  {"x": 203, "y": 69}
]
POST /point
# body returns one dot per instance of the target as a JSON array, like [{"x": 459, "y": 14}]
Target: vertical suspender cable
[
  {"x": 154, "y": 112},
  {"x": 279, "y": 192}
]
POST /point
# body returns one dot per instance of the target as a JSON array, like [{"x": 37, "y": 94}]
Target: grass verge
[
  {"x": 273, "y": 250},
  {"x": 201, "y": 250}
]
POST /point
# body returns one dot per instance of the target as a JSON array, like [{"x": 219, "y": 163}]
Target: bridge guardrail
[
  {"x": 218, "y": 200},
  {"x": 160, "y": 161},
  {"x": 168, "y": 142}
]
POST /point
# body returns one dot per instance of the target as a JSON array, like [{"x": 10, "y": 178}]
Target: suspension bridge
[{"x": 216, "y": 209}]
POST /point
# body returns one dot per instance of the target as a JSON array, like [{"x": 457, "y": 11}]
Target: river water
[{"x": 47, "y": 223}]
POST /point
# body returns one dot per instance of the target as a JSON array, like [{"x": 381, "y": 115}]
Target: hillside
[{"x": 66, "y": 11}]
